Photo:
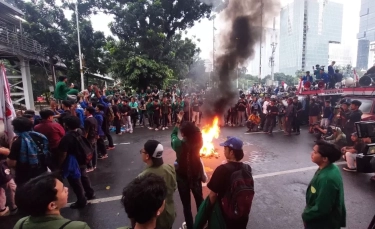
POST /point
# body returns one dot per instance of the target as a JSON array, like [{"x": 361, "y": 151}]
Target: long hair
[{"x": 189, "y": 165}]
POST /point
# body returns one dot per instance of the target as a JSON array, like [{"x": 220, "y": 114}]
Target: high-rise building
[
  {"x": 307, "y": 28},
  {"x": 366, "y": 32}
]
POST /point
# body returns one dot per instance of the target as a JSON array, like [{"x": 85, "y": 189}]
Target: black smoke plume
[{"x": 243, "y": 19}]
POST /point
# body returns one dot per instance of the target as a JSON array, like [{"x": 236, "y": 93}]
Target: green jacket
[
  {"x": 49, "y": 222},
  {"x": 167, "y": 217},
  {"x": 60, "y": 90},
  {"x": 176, "y": 143},
  {"x": 209, "y": 213},
  {"x": 149, "y": 109},
  {"x": 73, "y": 92},
  {"x": 177, "y": 107},
  {"x": 325, "y": 207}
]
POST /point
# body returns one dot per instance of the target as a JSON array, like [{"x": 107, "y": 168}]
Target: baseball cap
[
  {"x": 233, "y": 142},
  {"x": 155, "y": 150}
]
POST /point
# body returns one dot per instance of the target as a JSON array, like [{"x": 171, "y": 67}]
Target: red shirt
[{"x": 52, "y": 130}]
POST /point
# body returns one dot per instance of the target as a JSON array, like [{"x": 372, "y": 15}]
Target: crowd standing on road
[{"x": 69, "y": 138}]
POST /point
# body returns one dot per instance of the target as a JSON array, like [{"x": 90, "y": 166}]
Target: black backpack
[
  {"x": 85, "y": 150},
  {"x": 236, "y": 203}
]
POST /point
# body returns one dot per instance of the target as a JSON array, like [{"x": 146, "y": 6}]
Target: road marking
[
  {"x": 261, "y": 132},
  {"x": 291, "y": 171},
  {"x": 124, "y": 143},
  {"x": 113, "y": 198}
]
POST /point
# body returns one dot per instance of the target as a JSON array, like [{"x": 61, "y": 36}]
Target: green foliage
[
  {"x": 151, "y": 31},
  {"x": 47, "y": 24},
  {"x": 281, "y": 77},
  {"x": 150, "y": 48}
]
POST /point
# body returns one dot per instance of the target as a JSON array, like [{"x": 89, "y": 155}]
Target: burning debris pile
[
  {"x": 243, "y": 22},
  {"x": 209, "y": 133}
]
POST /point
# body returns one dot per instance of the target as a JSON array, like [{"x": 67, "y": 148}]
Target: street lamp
[{"x": 79, "y": 50}]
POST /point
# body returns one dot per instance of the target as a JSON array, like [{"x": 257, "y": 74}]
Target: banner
[{"x": 7, "y": 113}]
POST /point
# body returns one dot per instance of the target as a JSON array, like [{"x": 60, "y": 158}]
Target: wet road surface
[{"x": 281, "y": 165}]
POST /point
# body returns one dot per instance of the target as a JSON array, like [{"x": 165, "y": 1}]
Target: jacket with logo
[{"x": 325, "y": 207}]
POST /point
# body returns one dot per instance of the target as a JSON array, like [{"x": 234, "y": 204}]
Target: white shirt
[{"x": 265, "y": 105}]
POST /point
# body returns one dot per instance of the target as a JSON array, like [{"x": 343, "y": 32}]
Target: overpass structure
[{"x": 16, "y": 47}]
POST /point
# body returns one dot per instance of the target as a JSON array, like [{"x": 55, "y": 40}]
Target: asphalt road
[{"x": 282, "y": 169}]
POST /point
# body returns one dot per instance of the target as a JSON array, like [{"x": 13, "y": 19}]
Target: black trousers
[
  {"x": 157, "y": 120},
  {"x": 164, "y": 120},
  {"x": 110, "y": 140},
  {"x": 184, "y": 187},
  {"x": 297, "y": 123},
  {"x": 117, "y": 124},
  {"x": 151, "y": 120},
  {"x": 102, "y": 150},
  {"x": 81, "y": 187}
]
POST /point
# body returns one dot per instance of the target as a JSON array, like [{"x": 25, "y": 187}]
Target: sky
[{"x": 204, "y": 30}]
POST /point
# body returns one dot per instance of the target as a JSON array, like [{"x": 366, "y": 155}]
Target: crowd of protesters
[{"x": 66, "y": 140}]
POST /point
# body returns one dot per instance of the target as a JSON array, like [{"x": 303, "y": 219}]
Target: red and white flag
[
  {"x": 356, "y": 78},
  {"x": 300, "y": 86},
  {"x": 7, "y": 112}
]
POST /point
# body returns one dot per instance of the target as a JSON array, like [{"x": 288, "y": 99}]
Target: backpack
[
  {"x": 236, "y": 203},
  {"x": 84, "y": 148},
  {"x": 110, "y": 115}
]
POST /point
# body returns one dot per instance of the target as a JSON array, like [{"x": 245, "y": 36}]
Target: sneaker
[
  {"x": 101, "y": 157},
  {"x": 89, "y": 170},
  {"x": 163, "y": 128},
  {"x": 156, "y": 129},
  {"x": 349, "y": 169},
  {"x": 119, "y": 134},
  {"x": 131, "y": 131},
  {"x": 5, "y": 212},
  {"x": 166, "y": 128},
  {"x": 150, "y": 128}
]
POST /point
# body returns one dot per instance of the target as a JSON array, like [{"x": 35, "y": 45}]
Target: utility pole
[
  {"x": 261, "y": 41},
  {"x": 213, "y": 43},
  {"x": 273, "y": 46},
  {"x": 79, "y": 51}
]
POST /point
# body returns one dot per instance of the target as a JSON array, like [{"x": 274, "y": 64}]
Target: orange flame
[{"x": 209, "y": 133}]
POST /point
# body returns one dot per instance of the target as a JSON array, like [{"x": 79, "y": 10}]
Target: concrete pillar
[{"x": 26, "y": 81}]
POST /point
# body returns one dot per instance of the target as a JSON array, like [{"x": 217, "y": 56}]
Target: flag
[
  {"x": 300, "y": 86},
  {"x": 7, "y": 112},
  {"x": 355, "y": 75}
]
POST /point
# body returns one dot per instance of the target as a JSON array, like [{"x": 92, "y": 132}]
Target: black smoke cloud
[{"x": 243, "y": 20}]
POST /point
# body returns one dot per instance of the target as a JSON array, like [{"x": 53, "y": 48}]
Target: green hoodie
[
  {"x": 325, "y": 207},
  {"x": 49, "y": 222},
  {"x": 61, "y": 90}
]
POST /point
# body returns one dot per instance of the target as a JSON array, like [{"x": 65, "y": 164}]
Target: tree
[
  {"x": 150, "y": 30},
  {"x": 47, "y": 24}
]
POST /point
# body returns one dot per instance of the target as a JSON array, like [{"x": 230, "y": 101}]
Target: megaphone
[
  {"x": 321, "y": 84},
  {"x": 307, "y": 85}
]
